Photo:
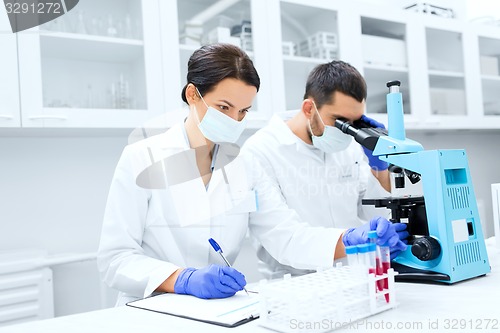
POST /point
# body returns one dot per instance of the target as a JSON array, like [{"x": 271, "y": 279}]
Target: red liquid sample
[
  {"x": 385, "y": 268},
  {"x": 380, "y": 283}
]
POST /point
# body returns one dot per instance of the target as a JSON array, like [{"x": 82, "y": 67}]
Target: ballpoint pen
[{"x": 218, "y": 249}]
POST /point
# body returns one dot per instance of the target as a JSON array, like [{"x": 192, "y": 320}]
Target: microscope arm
[{"x": 368, "y": 137}]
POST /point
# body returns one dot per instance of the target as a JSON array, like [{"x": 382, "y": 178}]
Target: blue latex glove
[
  {"x": 388, "y": 233},
  {"x": 395, "y": 253},
  {"x": 375, "y": 163},
  {"x": 210, "y": 282}
]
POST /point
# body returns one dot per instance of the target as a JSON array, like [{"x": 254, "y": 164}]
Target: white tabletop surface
[{"x": 468, "y": 306}]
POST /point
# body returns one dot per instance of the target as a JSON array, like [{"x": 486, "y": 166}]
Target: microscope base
[{"x": 410, "y": 274}]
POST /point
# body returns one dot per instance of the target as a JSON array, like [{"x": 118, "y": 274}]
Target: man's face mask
[
  {"x": 332, "y": 140},
  {"x": 218, "y": 127}
]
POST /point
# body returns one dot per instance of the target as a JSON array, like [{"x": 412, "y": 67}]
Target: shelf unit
[
  {"x": 111, "y": 48},
  {"x": 310, "y": 33},
  {"x": 197, "y": 22},
  {"x": 67, "y": 70},
  {"x": 436, "y": 60},
  {"x": 9, "y": 80},
  {"x": 446, "y": 72},
  {"x": 384, "y": 59},
  {"x": 489, "y": 52}
]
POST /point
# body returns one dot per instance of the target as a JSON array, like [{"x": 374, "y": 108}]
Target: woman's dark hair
[
  {"x": 325, "y": 79},
  {"x": 213, "y": 63}
]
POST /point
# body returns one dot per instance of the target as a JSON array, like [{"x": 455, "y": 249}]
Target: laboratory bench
[{"x": 467, "y": 306}]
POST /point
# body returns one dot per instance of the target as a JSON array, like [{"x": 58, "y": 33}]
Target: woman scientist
[{"x": 172, "y": 192}]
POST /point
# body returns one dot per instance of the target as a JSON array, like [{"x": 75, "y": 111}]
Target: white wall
[{"x": 52, "y": 197}]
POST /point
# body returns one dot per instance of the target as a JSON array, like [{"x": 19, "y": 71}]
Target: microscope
[{"x": 446, "y": 242}]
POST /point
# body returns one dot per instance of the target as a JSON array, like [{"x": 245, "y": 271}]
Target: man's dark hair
[
  {"x": 325, "y": 79},
  {"x": 213, "y": 63}
]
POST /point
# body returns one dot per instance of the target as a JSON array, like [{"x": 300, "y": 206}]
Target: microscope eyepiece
[
  {"x": 363, "y": 133},
  {"x": 345, "y": 127},
  {"x": 393, "y": 83}
]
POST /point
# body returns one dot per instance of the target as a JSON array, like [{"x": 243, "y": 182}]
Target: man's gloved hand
[
  {"x": 210, "y": 282},
  {"x": 395, "y": 253},
  {"x": 374, "y": 162},
  {"x": 391, "y": 234}
]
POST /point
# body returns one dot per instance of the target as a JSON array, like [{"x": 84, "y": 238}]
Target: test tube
[
  {"x": 352, "y": 255},
  {"x": 363, "y": 256},
  {"x": 372, "y": 247},
  {"x": 385, "y": 256},
  {"x": 372, "y": 238}
]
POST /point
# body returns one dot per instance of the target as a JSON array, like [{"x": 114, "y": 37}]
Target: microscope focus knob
[{"x": 426, "y": 248}]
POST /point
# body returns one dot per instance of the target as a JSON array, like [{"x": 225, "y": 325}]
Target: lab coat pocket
[{"x": 241, "y": 202}]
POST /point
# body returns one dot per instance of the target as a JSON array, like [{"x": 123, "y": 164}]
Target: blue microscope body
[{"x": 446, "y": 241}]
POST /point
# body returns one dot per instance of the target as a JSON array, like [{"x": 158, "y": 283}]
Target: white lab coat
[
  {"x": 149, "y": 233},
  {"x": 325, "y": 189}
]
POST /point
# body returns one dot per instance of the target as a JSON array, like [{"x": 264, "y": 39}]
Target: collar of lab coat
[
  {"x": 175, "y": 138},
  {"x": 281, "y": 130},
  {"x": 285, "y": 136}
]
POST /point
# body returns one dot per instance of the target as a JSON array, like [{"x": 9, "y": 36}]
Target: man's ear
[
  {"x": 191, "y": 94},
  {"x": 307, "y": 108}
]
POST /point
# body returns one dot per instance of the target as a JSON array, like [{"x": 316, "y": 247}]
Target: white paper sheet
[{"x": 228, "y": 311}]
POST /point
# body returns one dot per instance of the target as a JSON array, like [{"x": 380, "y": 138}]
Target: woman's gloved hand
[
  {"x": 375, "y": 163},
  {"x": 210, "y": 282},
  {"x": 388, "y": 233}
]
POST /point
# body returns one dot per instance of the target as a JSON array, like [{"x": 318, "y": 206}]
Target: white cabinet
[
  {"x": 97, "y": 66},
  {"x": 448, "y": 69},
  {"x": 373, "y": 40},
  {"x": 490, "y": 78},
  {"x": 385, "y": 55},
  {"x": 120, "y": 63},
  {"x": 199, "y": 22},
  {"x": 309, "y": 36},
  {"x": 445, "y": 61},
  {"x": 488, "y": 39},
  {"x": 9, "y": 84}
]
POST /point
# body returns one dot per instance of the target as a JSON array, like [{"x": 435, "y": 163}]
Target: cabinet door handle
[
  {"x": 47, "y": 117},
  {"x": 6, "y": 117}
]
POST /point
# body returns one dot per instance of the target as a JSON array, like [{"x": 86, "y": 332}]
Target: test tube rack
[{"x": 326, "y": 300}]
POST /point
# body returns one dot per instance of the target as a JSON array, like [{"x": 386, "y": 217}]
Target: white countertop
[{"x": 472, "y": 305}]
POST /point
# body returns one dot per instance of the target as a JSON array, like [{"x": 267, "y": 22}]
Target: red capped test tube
[
  {"x": 372, "y": 238},
  {"x": 385, "y": 256}
]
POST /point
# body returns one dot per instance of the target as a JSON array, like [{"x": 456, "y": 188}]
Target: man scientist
[{"x": 322, "y": 172}]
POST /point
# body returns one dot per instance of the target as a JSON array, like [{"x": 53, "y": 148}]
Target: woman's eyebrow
[
  {"x": 231, "y": 105},
  {"x": 227, "y": 102}
]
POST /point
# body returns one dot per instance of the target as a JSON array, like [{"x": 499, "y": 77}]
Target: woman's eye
[
  {"x": 244, "y": 111},
  {"x": 223, "y": 107}
]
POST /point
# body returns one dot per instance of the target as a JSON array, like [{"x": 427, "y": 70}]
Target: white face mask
[
  {"x": 219, "y": 128},
  {"x": 332, "y": 140}
]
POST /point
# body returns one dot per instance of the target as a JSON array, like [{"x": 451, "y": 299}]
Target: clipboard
[{"x": 228, "y": 312}]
